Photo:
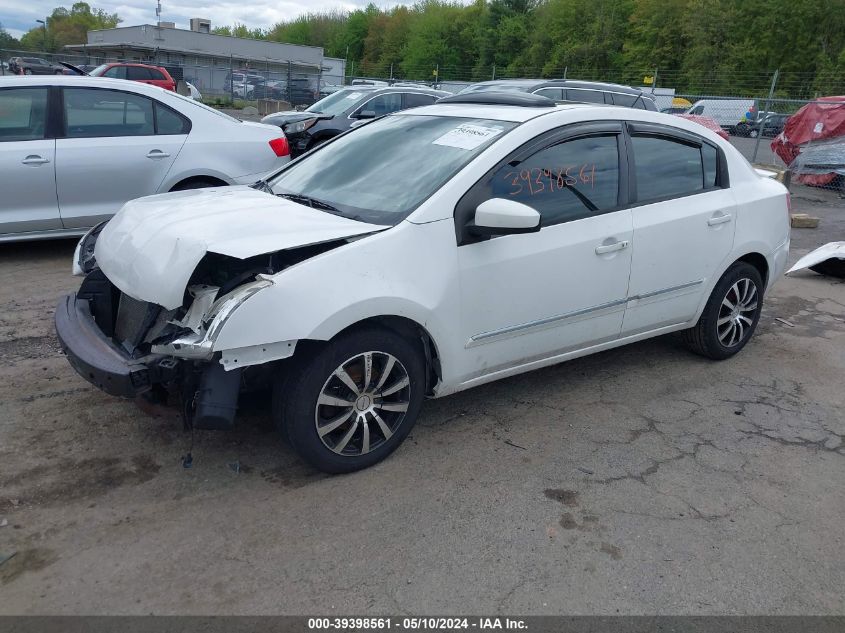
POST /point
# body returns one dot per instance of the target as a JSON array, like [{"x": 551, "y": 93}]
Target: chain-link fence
[
  {"x": 777, "y": 119},
  {"x": 219, "y": 80}
]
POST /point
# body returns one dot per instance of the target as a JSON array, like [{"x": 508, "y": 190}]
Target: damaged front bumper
[{"x": 99, "y": 360}]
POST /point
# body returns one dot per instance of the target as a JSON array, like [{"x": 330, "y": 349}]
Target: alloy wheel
[
  {"x": 362, "y": 403},
  {"x": 737, "y": 312}
]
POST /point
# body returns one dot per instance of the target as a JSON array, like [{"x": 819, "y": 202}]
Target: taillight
[{"x": 280, "y": 146}]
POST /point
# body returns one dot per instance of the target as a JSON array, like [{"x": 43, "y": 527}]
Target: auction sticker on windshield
[{"x": 467, "y": 136}]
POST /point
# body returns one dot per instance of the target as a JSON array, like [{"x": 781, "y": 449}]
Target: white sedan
[
  {"x": 73, "y": 150},
  {"x": 424, "y": 253}
]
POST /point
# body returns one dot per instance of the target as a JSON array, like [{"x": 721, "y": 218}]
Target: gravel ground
[{"x": 641, "y": 480}]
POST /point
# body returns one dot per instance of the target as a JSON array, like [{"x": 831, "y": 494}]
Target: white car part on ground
[{"x": 831, "y": 250}]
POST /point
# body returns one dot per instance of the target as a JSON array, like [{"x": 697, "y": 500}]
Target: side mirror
[
  {"x": 366, "y": 114},
  {"x": 499, "y": 216}
]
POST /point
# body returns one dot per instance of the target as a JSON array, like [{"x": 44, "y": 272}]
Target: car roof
[
  {"x": 571, "y": 83},
  {"x": 387, "y": 89},
  {"x": 84, "y": 81},
  {"x": 515, "y": 114},
  {"x": 133, "y": 64}
]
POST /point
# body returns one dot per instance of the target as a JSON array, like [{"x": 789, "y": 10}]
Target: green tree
[
  {"x": 7, "y": 41},
  {"x": 68, "y": 27}
]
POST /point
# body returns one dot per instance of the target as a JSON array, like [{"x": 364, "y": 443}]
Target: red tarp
[{"x": 821, "y": 120}]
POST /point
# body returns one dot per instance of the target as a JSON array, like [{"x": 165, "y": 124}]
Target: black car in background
[
  {"x": 571, "y": 90},
  {"x": 34, "y": 66},
  {"x": 773, "y": 124},
  {"x": 345, "y": 109}
]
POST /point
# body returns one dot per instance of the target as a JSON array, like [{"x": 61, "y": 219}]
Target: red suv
[{"x": 155, "y": 75}]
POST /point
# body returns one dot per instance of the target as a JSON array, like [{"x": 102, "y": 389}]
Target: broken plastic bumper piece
[{"x": 99, "y": 360}]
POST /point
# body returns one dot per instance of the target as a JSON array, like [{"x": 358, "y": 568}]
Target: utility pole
[
  {"x": 494, "y": 72},
  {"x": 44, "y": 23},
  {"x": 763, "y": 117}
]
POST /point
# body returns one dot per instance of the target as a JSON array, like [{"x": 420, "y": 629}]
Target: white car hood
[{"x": 152, "y": 246}]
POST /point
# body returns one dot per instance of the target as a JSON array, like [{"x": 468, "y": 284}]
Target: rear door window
[
  {"x": 585, "y": 96},
  {"x": 556, "y": 94},
  {"x": 23, "y": 114},
  {"x": 667, "y": 168},
  {"x": 624, "y": 100},
  {"x": 415, "y": 99},
  {"x": 169, "y": 121},
  {"x": 96, "y": 113},
  {"x": 115, "y": 72},
  {"x": 384, "y": 104},
  {"x": 138, "y": 73}
]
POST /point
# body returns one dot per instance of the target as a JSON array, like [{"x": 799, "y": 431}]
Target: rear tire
[
  {"x": 730, "y": 315},
  {"x": 309, "y": 401}
]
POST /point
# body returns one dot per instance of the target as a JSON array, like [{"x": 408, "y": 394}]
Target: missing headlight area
[{"x": 141, "y": 327}]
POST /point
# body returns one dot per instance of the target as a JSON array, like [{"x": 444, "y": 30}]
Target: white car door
[
  {"x": 684, "y": 221},
  {"x": 27, "y": 163},
  {"x": 111, "y": 152},
  {"x": 525, "y": 297}
]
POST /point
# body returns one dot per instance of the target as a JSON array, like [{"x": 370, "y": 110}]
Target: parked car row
[
  {"x": 739, "y": 117},
  {"x": 368, "y": 274},
  {"x": 344, "y": 110},
  {"x": 34, "y": 66}
]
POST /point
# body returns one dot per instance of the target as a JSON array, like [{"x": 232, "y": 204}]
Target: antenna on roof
[{"x": 158, "y": 13}]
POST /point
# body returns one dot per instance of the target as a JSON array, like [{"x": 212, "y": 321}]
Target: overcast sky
[{"x": 17, "y": 16}]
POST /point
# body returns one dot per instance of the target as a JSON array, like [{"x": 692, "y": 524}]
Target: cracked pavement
[{"x": 643, "y": 480}]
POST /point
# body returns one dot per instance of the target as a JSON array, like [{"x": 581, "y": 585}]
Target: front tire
[
  {"x": 731, "y": 314},
  {"x": 351, "y": 403}
]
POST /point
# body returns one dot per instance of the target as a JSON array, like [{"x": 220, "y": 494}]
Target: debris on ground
[
  {"x": 804, "y": 221},
  {"x": 6, "y": 557},
  {"x": 785, "y": 322}
]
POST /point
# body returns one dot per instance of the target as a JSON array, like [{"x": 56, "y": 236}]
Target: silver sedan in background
[{"x": 74, "y": 150}]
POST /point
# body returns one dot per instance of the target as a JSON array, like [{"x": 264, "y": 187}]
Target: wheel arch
[
  {"x": 759, "y": 261},
  {"x": 752, "y": 257},
  {"x": 217, "y": 182},
  {"x": 405, "y": 327}
]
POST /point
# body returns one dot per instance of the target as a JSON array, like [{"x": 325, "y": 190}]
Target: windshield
[
  {"x": 338, "y": 102},
  {"x": 382, "y": 171}
]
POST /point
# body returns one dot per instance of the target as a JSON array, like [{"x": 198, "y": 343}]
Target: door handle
[
  {"x": 157, "y": 153},
  {"x": 610, "y": 248},
  {"x": 719, "y": 219},
  {"x": 35, "y": 159}
]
